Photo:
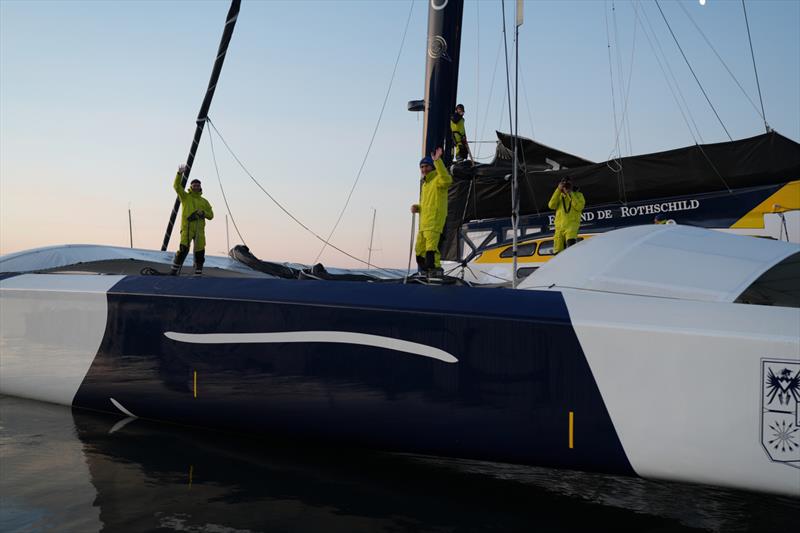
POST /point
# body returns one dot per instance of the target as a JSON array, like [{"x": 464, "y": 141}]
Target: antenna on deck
[
  {"x": 130, "y": 225},
  {"x": 371, "y": 234}
]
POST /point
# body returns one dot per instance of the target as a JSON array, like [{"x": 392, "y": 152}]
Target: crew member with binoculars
[
  {"x": 195, "y": 210},
  {"x": 568, "y": 204}
]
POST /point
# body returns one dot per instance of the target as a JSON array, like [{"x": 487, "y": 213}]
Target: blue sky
[{"x": 98, "y": 101}]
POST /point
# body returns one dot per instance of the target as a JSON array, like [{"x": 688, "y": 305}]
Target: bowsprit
[{"x": 780, "y": 408}]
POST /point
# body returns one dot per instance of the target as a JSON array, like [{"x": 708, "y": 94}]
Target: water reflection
[{"x": 82, "y": 471}]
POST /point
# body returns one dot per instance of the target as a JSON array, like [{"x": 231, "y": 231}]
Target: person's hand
[
  {"x": 182, "y": 168},
  {"x": 437, "y": 153},
  {"x": 415, "y": 208},
  {"x": 201, "y": 213}
]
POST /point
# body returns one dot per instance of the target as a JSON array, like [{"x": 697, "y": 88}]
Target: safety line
[{"x": 280, "y": 206}]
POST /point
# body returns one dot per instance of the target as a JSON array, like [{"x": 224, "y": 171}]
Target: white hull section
[
  {"x": 52, "y": 326},
  {"x": 683, "y": 384}
]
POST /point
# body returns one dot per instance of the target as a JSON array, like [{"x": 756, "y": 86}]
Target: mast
[
  {"x": 230, "y": 22},
  {"x": 515, "y": 133},
  {"x": 441, "y": 75}
]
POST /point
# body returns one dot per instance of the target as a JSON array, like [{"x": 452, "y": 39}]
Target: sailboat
[{"x": 675, "y": 356}]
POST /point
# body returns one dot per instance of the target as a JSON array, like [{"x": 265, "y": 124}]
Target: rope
[
  {"x": 372, "y": 139},
  {"x": 278, "y": 204},
  {"x": 225, "y": 198},
  {"x": 692, "y": 70},
  {"x": 752, "y": 54},
  {"x": 732, "y": 75}
]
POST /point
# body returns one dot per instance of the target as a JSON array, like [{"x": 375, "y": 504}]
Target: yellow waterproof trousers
[{"x": 428, "y": 241}]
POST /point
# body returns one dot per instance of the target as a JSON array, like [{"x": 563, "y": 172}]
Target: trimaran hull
[{"x": 530, "y": 377}]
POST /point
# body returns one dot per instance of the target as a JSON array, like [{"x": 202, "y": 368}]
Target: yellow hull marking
[
  {"x": 571, "y": 430},
  {"x": 788, "y": 197}
]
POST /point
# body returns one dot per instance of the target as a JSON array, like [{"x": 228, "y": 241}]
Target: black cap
[
  {"x": 195, "y": 181},
  {"x": 460, "y": 106}
]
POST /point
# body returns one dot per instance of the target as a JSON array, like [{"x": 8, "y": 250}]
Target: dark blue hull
[{"x": 520, "y": 370}]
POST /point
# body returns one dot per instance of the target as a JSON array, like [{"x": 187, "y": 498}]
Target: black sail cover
[{"x": 484, "y": 190}]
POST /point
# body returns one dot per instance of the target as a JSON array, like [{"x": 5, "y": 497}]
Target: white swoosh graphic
[
  {"x": 344, "y": 337},
  {"x": 119, "y": 406}
]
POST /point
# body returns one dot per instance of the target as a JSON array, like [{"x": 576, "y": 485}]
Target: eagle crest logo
[{"x": 780, "y": 410}]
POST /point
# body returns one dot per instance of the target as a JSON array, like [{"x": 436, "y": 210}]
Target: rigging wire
[
  {"x": 625, "y": 115},
  {"x": 708, "y": 42},
  {"x": 613, "y": 94},
  {"x": 674, "y": 81},
  {"x": 225, "y": 198},
  {"x": 491, "y": 90},
  {"x": 477, "y": 71},
  {"x": 374, "y": 133},
  {"x": 620, "y": 75},
  {"x": 280, "y": 206},
  {"x": 677, "y": 87},
  {"x": 508, "y": 75},
  {"x": 752, "y": 54},
  {"x": 527, "y": 104},
  {"x": 624, "y": 123},
  {"x": 692, "y": 70}
]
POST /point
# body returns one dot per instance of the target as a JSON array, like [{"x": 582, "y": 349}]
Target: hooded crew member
[
  {"x": 568, "y": 205},
  {"x": 195, "y": 210},
  {"x": 432, "y": 208},
  {"x": 459, "y": 133}
]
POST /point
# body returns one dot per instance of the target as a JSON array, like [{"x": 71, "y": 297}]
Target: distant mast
[
  {"x": 227, "y": 33},
  {"x": 441, "y": 74}
]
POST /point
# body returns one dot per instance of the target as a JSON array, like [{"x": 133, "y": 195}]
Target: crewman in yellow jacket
[
  {"x": 195, "y": 210},
  {"x": 432, "y": 208},
  {"x": 459, "y": 132},
  {"x": 568, "y": 205}
]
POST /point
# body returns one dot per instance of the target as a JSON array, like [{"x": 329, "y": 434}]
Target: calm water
[{"x": 81, "y": 471}]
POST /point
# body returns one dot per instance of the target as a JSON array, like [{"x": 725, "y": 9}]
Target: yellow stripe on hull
[{"x": 787, "y": 197}]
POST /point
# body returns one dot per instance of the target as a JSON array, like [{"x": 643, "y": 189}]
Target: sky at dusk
[{"x": 98, "y": 102}]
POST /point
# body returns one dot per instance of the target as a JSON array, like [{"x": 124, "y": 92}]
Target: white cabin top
[{"x": 669, "y": 261}]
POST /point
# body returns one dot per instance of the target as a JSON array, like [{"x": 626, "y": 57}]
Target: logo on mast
[
  {"x": 440, "y": 6},
  {"x": 437, "y": 48},
  {"x": 780, "y": 410}
]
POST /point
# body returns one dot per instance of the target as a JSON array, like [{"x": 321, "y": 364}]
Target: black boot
[
  {"x": 430, "y": 265},
  {"x": 183, "y": 251},
  {"x": 199, "y": 259},
  {"x": 421, "y": 264}
]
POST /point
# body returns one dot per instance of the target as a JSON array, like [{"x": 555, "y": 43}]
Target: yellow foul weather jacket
[
  {"x": 433, "y": 200},
  {"x": 190, "y": 203},
  {"x": 458, "y": 131},
  {"x": 568, "y": 208}
]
